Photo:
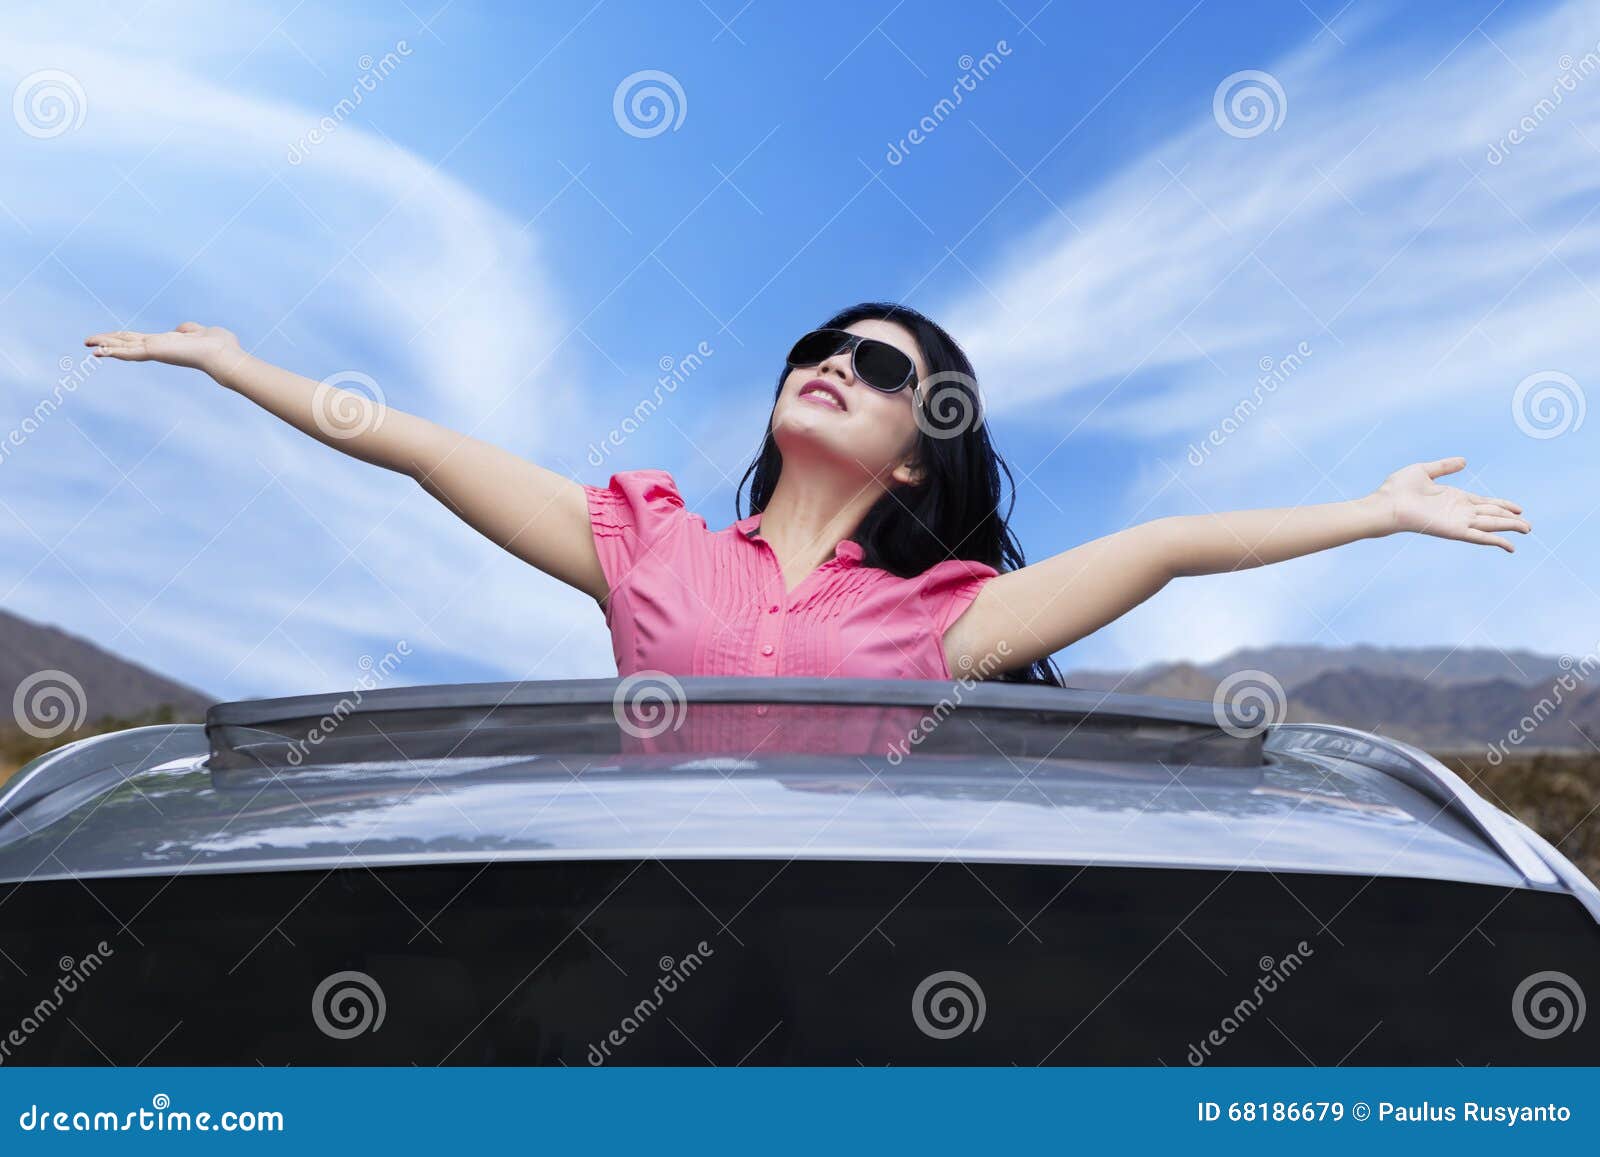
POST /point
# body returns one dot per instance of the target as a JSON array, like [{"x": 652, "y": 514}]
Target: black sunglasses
[{"x": 877, "y": 363}]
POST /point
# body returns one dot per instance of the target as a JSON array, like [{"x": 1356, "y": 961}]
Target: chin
[{"x": 809, "y": 437}]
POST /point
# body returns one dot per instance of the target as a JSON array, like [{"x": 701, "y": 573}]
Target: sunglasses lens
[
  {"x": 818, "y": 346},
  {"x": 882, "y": 366}
]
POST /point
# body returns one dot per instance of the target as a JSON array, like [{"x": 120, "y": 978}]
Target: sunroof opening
[{"x": 887, "y": 721}]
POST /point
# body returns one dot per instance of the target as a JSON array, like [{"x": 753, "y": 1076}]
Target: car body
[{"x": 744, "y": 871}]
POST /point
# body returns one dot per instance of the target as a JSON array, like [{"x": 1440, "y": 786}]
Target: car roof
[{"x": 552, "y": 770}]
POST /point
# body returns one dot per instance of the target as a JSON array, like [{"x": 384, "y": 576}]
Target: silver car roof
[{"x": 543, "y": 771}]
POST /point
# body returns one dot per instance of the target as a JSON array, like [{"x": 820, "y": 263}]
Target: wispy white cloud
[
  {"x": 1426, "y": 278},
  {"x": 172, "y": 521}
]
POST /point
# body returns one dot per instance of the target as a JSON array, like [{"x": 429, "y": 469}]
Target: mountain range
[
  {"x": 111, "y": 686},
  {"x": 1441, "y": 698}
]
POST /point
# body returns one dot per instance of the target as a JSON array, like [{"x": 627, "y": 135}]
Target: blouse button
[{"x": 766, "y": 648}]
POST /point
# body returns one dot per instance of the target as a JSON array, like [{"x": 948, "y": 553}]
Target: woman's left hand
[{"x": 1412, "y": 500}]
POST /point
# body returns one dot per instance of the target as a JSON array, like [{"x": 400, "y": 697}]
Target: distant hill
[
  {"x": 112, "y": 686},
  {"x": 1438, "y": 698},
  {"x": 1439, "y": 666},
  {"x": 1430, "y": 696}
]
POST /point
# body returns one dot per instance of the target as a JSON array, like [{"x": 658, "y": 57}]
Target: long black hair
[{"x": 954, "y": 511}]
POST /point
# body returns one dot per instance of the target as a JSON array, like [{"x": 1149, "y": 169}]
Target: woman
[{"x": 876, "y": 546}]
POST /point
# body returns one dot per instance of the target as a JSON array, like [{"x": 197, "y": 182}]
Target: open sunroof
[{"x": 890, "y": 720}]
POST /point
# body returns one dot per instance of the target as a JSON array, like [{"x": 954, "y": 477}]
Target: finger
[
  {"x": 1488, "y": 506},
  {"x": 1503, "y": 503},
  {"x": 1487, "y": 539},
  {"x": 190, "y": 327},
  {"x": 1443, "y": 466},
  {"x": 117, "y": 341},
  {"x": 1500, "y": 522}
]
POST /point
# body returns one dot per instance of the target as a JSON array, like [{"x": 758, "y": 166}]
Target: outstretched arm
[
  {"x": 1041, "y": 608},
  {"x": 538, "y": 515}
]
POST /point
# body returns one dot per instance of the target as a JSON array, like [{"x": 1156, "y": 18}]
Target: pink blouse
[{"x": 686, "y": 600}]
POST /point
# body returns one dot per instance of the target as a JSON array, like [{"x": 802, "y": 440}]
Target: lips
[{"x": 823, "y": 391}]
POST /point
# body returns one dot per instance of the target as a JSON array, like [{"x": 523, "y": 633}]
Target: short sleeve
[
  {"x": 629, "y": 516},
  {"x": 949, "y": 587}
]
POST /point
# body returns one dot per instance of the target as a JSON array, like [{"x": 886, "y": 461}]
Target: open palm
[
  {"x": 1421, "y": 504},
  {"x": 191, "y": 344}
]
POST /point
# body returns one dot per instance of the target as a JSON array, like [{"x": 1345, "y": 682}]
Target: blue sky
[{"x": 485, "y": 240}]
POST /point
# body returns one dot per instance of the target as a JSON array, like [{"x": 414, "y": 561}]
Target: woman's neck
[{"x": 806, "y": 519}]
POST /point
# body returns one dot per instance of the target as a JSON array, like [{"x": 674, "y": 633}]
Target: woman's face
[{"x": 875, "y": 433}]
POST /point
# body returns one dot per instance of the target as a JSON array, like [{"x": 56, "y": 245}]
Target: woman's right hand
[
  {"x": 538, "y": 515},
  {"x": 200, "y": 347}
]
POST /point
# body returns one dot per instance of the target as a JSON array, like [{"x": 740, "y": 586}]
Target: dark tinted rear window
[{"x": 756, "y": 962}]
